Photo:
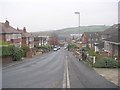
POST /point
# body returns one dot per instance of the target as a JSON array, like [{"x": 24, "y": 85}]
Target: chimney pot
[
  {"x": 6, "y": 23},
  {"x": 24, "y": 29}
]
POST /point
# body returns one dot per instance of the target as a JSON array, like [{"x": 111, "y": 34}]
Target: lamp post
[
  {"x": 78, "y": 23},
  {"x": 119, "y": 31}
]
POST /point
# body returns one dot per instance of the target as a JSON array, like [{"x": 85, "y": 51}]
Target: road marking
[{"x": 66, "y": 80}]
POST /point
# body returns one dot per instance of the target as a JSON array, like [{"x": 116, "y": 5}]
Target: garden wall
[{"x": 7, "y": 60}]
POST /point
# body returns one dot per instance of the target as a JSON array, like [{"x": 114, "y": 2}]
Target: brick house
[
  {"x": 84, "y": 40},
  {"x": 10, "y": 34},
  {"x": 43, "y": 40},
  {"x": 106, "y": 42},
  {"x": 27, "y": 38},
  {"x": 110, "y": 38},
  {"x": 36, "y": 41},
  {"x": 92, "y": 39},
  {"x": 40, "y": 40},
  {"x": 111, "y": 46},
  {"x": 113, "y": 30}
]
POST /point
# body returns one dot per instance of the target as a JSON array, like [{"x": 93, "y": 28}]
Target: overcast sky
[{"x": 40, "y": 15}]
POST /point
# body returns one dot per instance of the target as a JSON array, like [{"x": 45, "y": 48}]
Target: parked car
[
  {"x": 55, "y": 49},
  {"x": 58, "y": 47}
]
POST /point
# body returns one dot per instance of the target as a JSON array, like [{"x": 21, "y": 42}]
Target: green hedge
[
  {"x": 45, "y": 48},
  {"x": 86, "y": 48},
  {"x": 7, "y": 50},
  {"x": 10, "y": 50},
  {"x": 17, "y": 54},
  {"x": 106, "y": 63},
  {"x": 4, "y": 43},
  {"x": 25, "y": 50},
  {"x": 91, "y": 52},
  {"x": 72, "y": 46}
]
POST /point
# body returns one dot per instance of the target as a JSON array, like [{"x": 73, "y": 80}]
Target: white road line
[{"x": 66, "y": 80}]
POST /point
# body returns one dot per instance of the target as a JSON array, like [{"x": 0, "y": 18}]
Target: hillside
[
  {"x": 95, "y": 28},
  {"x": 75, "y": 30}
]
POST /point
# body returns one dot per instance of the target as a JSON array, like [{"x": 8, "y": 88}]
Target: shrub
[
  {"x": 4, "y": 43},
  {"x": 7, "y": 50},
  {"x": 106, "y": 63},
  {"x": 25, "y": 50},
  {"x": 72, "y": 46},
  {"x": 86, "y": 48},
  {"x": 10, "y": 50},
  {"x": 93, "y": 53},
  {"x": 45, "y": 48},
  {"x": 17, "y": 54}
]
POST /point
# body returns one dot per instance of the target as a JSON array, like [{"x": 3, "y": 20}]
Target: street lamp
[
  {"x": 119, "y": 32},
  {"x": 78, "y": 22}
]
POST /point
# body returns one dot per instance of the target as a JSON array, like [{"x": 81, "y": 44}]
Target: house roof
[
  {"x": 25, "y": 34},
  {"x": 93, "y": 34},
  {"x": 99, "y": 41},
  {"x": 113, "y": 39},
  {"x": 100, "y": 45},
  {"x": 6, "y": 28},
  {"x": 113, "y": 30}
]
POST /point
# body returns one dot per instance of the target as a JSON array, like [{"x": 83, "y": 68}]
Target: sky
[{"x": 42, "y": 15}]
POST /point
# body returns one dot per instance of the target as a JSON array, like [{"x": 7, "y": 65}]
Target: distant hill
[{"x": 75, "y": 30}]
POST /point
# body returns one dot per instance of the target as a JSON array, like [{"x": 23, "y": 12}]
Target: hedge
[
  {"x": 106, "y": 62},
  {"x": 7, "y": 50},
  {"x": 72, "y": 46},
  {"x": 91, "y": 52},
  {"x": 45, "y": 48},
  {"x": 25, "y": 50},
  {"x": 10, "y": 50},
  {"x": 17, "y": 54}
]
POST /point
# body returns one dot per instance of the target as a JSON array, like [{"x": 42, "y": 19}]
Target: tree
[{"x": 54, "y": 39}]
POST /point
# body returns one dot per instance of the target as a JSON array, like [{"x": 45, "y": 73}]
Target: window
[
  {"x": 96, "y": 39},
  {"x": 107, "y": 46},
  {"x": 18, "y": 35},
  {"x": 8, "y": 37}
]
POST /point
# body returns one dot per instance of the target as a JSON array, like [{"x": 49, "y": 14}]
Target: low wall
[{"x": 6, "y": 59}]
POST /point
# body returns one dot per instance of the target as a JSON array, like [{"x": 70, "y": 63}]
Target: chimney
[
  {"x": 6, "y": 23},
  {"x": 24, "y": 29},
  {"x": 17, "y": 28}
]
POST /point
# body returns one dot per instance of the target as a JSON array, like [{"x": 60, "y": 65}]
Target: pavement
[
  {"x": 83, "y": 76},
  {"x": 109, "y": 74},
  {"x": 58, "y": 69},
  {"x": 23, "y": 60}
]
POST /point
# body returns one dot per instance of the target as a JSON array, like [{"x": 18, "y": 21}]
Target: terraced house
[{"x": 10, "y": 34}]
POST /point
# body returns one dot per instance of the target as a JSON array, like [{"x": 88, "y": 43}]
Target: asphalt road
[{"x": 50, "y": 71}]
